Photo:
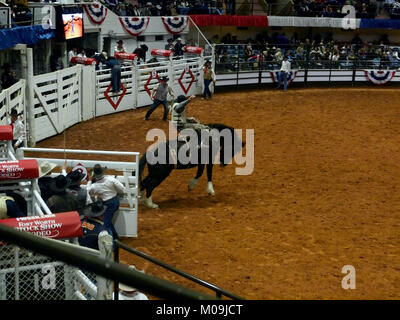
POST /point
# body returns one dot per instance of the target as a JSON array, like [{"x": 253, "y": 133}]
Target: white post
[
  {"x": 29, "y": 96},
  {"x": 88, "y": 95},
  {"x": 135, "y": 83}
]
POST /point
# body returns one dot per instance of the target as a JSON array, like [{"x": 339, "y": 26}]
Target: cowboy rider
[{"x": 179, "y": 118}]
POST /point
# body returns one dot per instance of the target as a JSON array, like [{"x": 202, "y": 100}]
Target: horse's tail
[{"x": 142, "y": 165}]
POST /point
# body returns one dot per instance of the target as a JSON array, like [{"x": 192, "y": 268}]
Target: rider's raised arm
[{"x": 180, "y": 107}]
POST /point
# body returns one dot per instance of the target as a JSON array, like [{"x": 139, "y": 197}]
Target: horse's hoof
[
  {"x": 192, "y": 184},
  {"x": 211, "y": 193}
]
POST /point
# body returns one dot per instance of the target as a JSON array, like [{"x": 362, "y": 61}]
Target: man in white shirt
[
  {"x": 284, "y": 73},
  {"x": 82, "y": 54},
  {"x": 18, "y": 126},
  {"x": 72, "y": 53},
  {"x": 120, "y": 47},
  {"x": 106, "y": 189}
]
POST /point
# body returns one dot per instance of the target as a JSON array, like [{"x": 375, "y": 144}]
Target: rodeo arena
[{"x": 284, "y": 113}]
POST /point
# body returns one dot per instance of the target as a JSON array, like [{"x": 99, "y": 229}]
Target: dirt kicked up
[{"x": 324, "y": 193}]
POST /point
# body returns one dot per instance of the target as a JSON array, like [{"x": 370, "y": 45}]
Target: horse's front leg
[
  {"x": 193, "y": 181},
  {"x": 210, "y": 188}
]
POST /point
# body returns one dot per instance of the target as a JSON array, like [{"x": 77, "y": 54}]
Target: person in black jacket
[{"x": 8, "y": 78}]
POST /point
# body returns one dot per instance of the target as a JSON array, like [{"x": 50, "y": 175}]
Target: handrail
[
  {"x": 108, "y": 269},
  {"x": 184, "y": 274}
]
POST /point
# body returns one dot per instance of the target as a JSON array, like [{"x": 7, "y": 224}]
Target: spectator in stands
[
  {"x": 61, "y": 200},
  {"x": 81, "y": 194},
  {"x": 45, "y": 170},
  {"x": 135, "y": 11},
  {"x": 171, "y": 10},
  {"x": 183, "y": 8},
  {"x": 120, "y": 47},
  {"x": 112, "y": 4},
  {"x": 178, "y": 49},
  {"x": 284, "y": 73},
  {"x": 8, "y": 78},
  {"x": 159, "y": 95},
  {"x": 92, "y": 224},
  {"x": 18, "y": 126},
  {"x": 107, "y": 189},
  {"x": 129, "y": 293},
  {"x": 9, "y": 208},
  {"x": 82, "y": 53},
  {"x": 122, "y": 9},
  {"x": 209, "y": 76},
  {"x": 146, "y": 11},
  {"x": 170, "y": 45}
]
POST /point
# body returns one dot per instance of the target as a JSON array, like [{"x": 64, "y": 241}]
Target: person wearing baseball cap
[{"x": 159, "y": 96}]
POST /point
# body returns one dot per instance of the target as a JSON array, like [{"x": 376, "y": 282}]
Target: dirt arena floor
[{"x": 324, "y": 193}]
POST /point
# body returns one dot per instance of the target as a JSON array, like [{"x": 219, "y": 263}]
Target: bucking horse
[{"x": 222, "y": 139}]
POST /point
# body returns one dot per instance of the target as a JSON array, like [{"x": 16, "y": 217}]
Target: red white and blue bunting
[
  {"x": 380, "y": 76},
  {"x": 291, "y": 77},
  {"x": 96, "y": 12},
  {"x": 175, "y": 25},
  {"x": 134, "y": 25}
]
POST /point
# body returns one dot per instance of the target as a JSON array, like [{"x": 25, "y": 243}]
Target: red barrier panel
[
  {"x": 6, "y": 133},
  {"x": 161, "y": 52},
  {"x": 86, "y": 61},
  {"x": 126, "y": 56},
  {"x": 19, "y": 169},
  {"x": 195, "y": 50},
  {"x": 57, "y": 226}
]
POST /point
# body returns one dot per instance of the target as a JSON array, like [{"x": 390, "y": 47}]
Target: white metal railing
[{"x": 127, "y": 172}]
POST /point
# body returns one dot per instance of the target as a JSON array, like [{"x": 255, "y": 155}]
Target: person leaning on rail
[
  {"x": 19, "y": 133},
  {"x": 107, "y": 189}
]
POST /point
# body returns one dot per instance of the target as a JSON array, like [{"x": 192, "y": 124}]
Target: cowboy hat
[
  {"x": 14, "y": 112},
  {"x": 165, "y": 79},
  {"x": 59, "y": 184},
  {"x": 93, "y": 210},
  {"x": 180, "y": 98},
  {"x": 124, "y": 287},
  {"x": 120, "y": 41},
  {"x": 98, "y": 171},
  {"x": 75, "y": 177},
  {"x": 46, "y": 167}
]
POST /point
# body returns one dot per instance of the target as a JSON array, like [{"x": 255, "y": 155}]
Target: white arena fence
[
  {"x": 125, "y": 220},
  {"x": 60, "y": 99},
  {"x": 63, "y": 98}
]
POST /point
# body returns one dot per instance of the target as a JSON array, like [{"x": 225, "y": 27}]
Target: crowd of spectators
[
  {"x": 367, "y": 9},
  {"x": 315, "y": 52},
  {"x": 169, "y": 7}
]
